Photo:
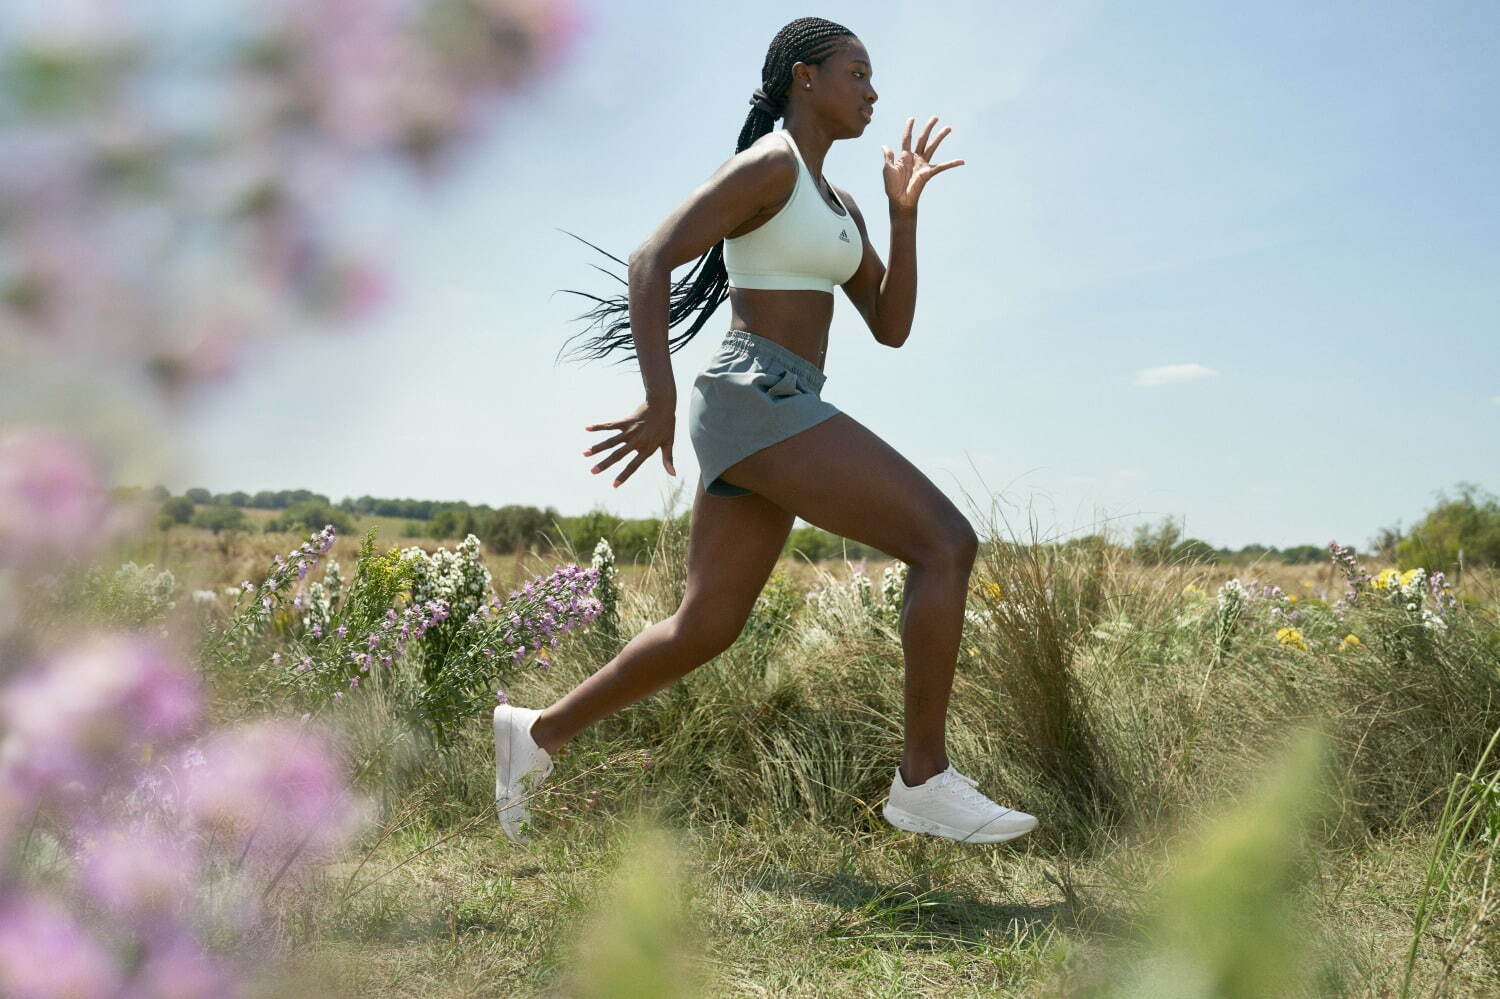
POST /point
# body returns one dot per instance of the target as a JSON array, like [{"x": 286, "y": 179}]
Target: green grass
[{"x": 1178, "y": 831}]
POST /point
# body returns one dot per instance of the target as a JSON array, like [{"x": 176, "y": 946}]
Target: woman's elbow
[{"x": 642, "y": 260}]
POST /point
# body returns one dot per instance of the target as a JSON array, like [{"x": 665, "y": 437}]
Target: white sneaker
[
  {"x": 950, "y": 805},
  {"x": 520, "y": 768}
]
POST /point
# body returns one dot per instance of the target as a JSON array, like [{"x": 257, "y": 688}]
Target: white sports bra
[{"x": 806, "y": 244}]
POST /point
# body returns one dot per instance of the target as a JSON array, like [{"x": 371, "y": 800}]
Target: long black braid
[{"x": 807, "y": 39}]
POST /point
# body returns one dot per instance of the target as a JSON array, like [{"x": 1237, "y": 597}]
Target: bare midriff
[{"x": 796, "y": 319}]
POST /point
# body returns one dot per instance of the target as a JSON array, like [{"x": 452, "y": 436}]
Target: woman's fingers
[
  {"x": 621, "y": 452},
  {"x": 632, "y": 436},
  {"x": 922, "y": 142},
  {"x": 617, "y": 438},
  {"x": 630, "y": 468}
]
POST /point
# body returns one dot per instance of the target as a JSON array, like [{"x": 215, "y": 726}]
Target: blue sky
[{"x": 1291, "y": 207}]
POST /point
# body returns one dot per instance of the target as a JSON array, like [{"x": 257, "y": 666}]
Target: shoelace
[{"x": 966, "y": 786}]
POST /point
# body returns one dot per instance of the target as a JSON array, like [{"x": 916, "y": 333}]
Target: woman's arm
[
  {"x": 887, "y": 297},
  {"x": 736, "y": 193}
]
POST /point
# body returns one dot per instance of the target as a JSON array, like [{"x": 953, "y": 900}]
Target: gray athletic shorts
[{"x": 753, "y": 393}]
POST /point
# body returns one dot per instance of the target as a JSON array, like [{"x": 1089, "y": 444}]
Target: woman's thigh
[
  {"x": 841, "y": 477},
  {"x": 733, "y": 544}
]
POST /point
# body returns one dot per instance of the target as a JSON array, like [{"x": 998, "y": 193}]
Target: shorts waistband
[{"x": 745, "y": 342}]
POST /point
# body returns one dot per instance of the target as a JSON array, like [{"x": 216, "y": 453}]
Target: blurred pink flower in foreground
[
  {"x": 52, "y": 496},
  {"x": 46, "y": 951},
  {"x": 139, "y": 872},
  {"x": 153, "y": 239},
  {"x": 276, "y": 790},
  {"x": 180, "y": 969},
  {"x": 164, "y": 217},
  {"x": 70, "y": 720}
]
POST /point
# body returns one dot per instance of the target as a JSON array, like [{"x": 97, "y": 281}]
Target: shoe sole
[{"x": 903, "y": 819}]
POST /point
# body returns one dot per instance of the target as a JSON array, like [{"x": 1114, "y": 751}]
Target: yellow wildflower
[
  {"x": 1292, "y": 637},
  {"x": 1408, "y": 576},
  {"x": 1292, "y": 598},
  {"x": 993, "y": 590},
  {"x": 1192, "y": 592},
  {"x": 1350, "y": 641},
  {"x": 1307, "y": 584},
  {"x": 973, "y": 651},
  {"x": 1385, "y": 579}
]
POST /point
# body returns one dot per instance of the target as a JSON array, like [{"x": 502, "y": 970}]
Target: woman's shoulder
[
  {"x": 773, "y": 149},
  {"x": 767, "y": 164}
]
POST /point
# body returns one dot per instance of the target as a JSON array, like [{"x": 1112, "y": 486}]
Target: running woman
[{"x": 771, "y": 234}]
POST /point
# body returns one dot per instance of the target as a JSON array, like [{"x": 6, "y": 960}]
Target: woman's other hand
[
  {"x": 908, "y": 171},
  {"x": 642, "y": 431}
]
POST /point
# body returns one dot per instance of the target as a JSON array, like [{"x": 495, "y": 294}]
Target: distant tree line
[
  {"x": 1164, "y": 544},
  {"x": 1459, "y": 532}
]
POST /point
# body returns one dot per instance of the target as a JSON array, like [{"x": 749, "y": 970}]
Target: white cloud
[
  {"x": 1171, "y": 373},
  {"x": 1495, "y": 399}
]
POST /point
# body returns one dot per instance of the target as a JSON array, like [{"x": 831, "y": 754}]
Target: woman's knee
[
  {"x": 967, "y": 542},
  {"x": 706, "y": 632},
  {"x": 950, "y": 544}
]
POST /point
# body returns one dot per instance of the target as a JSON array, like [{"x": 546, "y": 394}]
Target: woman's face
[{"x": 842, "y": 90}]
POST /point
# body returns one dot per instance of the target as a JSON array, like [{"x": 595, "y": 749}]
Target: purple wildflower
[
  {"x": 178, "y": 966},
  {"x": 45, "y": 951},
  {"x": 141, "y": 873},
  {"x": 92, "y": 703},
  {"x": 273, "y": 788}
]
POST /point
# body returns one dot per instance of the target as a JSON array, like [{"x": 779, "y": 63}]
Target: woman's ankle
[
  {"x": 917, "y": 772},
  {"x": 543, "y": 734}
]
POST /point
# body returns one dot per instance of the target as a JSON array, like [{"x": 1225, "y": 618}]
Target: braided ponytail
[{"x": 807, "y": 39}]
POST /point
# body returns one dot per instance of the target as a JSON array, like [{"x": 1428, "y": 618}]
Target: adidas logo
[{"x": 844, "y": 235}]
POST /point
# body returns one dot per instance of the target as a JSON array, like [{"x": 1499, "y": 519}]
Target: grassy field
[{"x": 1234, "y": 797}]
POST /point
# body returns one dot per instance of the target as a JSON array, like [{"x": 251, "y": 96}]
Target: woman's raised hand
[
  {"x": 644, "y": 431},
  {"x": 908, "y": 171}
]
